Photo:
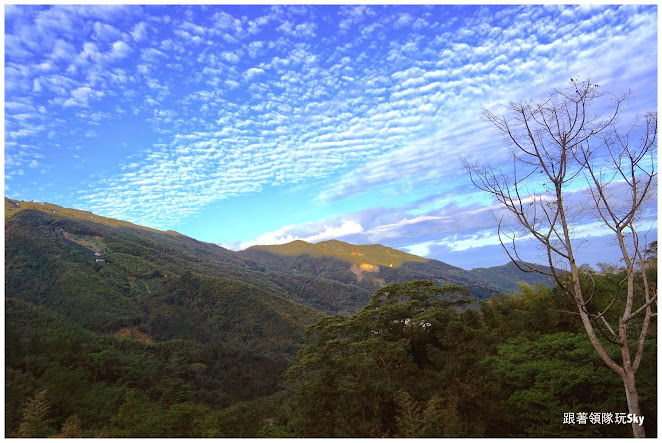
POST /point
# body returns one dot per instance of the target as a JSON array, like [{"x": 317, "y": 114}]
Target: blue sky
[{"x": 244, "y": 125}]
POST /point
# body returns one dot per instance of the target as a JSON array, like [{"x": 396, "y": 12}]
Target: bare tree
[{"x": 571, "y": 163}]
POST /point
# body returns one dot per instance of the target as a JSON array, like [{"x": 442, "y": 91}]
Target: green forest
[{"x": 171, "y": 337}]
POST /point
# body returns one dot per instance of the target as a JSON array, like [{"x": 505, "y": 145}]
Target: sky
[{"x": 257, "y": 124}]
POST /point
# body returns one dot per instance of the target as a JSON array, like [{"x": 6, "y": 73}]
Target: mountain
[
  {"x": 117, "y": 330},
  {"x": 374, "y": 255},
  {"x": 13, "y": 207},
  {"x": 333, "y": 277},
  {"x": 373, "y": 266},
  {"x": 107, "y": 307},
  {"x": 509, "y": 275},
  {"x": 105, "y": 318}
]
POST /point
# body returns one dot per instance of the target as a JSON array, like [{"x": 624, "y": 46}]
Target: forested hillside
[
  {"x": 373, "y": 266},
  {"x": 115, "y": 330},
  {"x": 419, "y": 361},
  {"x": 100, "y": 315}
]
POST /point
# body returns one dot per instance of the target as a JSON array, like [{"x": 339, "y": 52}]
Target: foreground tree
[
  {"x": 374, "y": 374},
  {"x": 565, "y": 156},
  {"x": 35, "y": 422}
]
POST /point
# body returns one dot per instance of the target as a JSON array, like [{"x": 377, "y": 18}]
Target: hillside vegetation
[
  {"x": 373, "y": 266},
  {"x": 229, "y": 328},
  {"x": 375, "y": 255},
  {"x": 115, "y": 330}
]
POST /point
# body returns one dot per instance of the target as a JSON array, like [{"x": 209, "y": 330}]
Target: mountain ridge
[
  {"x": 378, "y": 254},
  {"x": 13, "y": 207},
  {"x": 369, "y": 268},
  {"x": 372, "y": 254},
  {"x": 355, "y": 270},
  {"x": 115, "y": 309}
]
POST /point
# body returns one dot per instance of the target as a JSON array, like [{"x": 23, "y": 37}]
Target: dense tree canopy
[
  {"x": 424, "y": 361},
  {"x": 200, "y": 350}
]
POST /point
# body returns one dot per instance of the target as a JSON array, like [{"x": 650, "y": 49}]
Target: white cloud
[
  {"x": 403, "y": 19},
  {"x": 193, "y": 28},
  {"x": 139, "y": 31},
  {"x": 391, "y": 230},
  {"x": 90, "y": 53},
  {"x": 288, "y": 234},
  {"x": 330, "y": 232},
  {"x": 81, "y": 97},
  {"x": 120, "y": 50},
  {"x": 104, "y": 31},
  {"x": 252, "y": 72},
  {"x": 254, "y": 48},
  {"x": 224, "y": 20},
  {"x": 477, "y": 239},
  {"x": 300, "y": 30},
  {"x": 230, "y": 57},
  {"x": 420, "y": 249}
]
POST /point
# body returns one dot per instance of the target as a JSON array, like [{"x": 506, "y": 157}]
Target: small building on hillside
[
  {"x": 98, "y": 254},
  {"x": 100, "y": 260}
]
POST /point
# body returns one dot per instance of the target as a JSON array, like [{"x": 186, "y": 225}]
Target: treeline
[
  {"x": 418, "y": 361},
  {"x": 57, "y": 373}
]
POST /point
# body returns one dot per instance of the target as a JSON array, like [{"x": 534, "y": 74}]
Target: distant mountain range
[
  {"x": 329, "y": 276},
  {"x": 372, "y": 266}
]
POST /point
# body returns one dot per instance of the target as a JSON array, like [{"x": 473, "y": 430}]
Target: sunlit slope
[
  {"x": 375, "y": 255},
  {"x": 373, "y": 266},
  {"x": 367, "y": 266}
]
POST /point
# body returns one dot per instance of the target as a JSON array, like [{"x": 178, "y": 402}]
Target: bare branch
[{"x": 558, "y": 142}]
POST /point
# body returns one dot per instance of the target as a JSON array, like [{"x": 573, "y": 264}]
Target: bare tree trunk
[
  {"x": 559, "y": 141},
  {"x": 633, "y": 403}
]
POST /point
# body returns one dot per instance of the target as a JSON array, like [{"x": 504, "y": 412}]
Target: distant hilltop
[{"x": 366, "y": 257}]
